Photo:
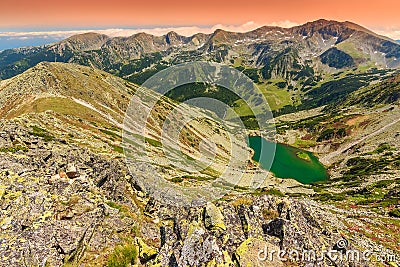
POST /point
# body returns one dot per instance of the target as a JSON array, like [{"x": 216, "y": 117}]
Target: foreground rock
[{"x": 101, "y": 217}]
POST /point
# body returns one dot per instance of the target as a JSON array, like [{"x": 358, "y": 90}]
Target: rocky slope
[
  {"x": 90, "y": 103},
  {"x": 52, "y": 216}
]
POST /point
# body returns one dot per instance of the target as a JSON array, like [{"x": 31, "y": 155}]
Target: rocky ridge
[{"x": 51, "y": 217}]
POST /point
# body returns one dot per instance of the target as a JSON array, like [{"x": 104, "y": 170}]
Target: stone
[
  {"x": 213, "y": 218},
  {"x": 256, "y": 252},
  {"x": 72, "y": 171},
  {"x": 146, "y": 252}
]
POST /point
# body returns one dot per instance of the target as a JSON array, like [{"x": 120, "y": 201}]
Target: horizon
[
  {"x": 24, "y": 38},
  {"x": 21, "y": 20}
]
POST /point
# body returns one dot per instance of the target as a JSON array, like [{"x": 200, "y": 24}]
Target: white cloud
[
  {"x": 284, "y": 24},
  {"x": 394, "y": 34},
  {"x": 183, "y": 30},
  {"x": 188, "y": 31}
]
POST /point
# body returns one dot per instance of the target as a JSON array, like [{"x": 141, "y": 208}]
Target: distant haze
[
  {"x": 12, "y": 42},
  {"x": 15, "y": 39},
  {"x": 46, "y": 15}
]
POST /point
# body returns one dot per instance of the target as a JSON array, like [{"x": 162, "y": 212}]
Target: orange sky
[{"x": 46, "y": 14}]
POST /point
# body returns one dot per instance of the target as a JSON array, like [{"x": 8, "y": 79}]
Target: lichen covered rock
[{"x": 213, "y": 218}]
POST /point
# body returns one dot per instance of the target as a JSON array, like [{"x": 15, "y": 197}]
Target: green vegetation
[
  {"x": 274, "y": 192},
  {"x": 335, "y": 90},
  {"x": 382, "y": 147},
  {"x": 13, "y": 149},
  {"x": 303, "y": 155},
  {"x": 352, "y": 50},
  {"x": 361, "y": 166},
  {"x": 336, "y": 58},
  {"x": 304, "y": 143},
  {"x": 211, "y": 172},
  {"x": 384, "y": 92},
  {"x": 176, "y": 179},
  {"x": 123, "y": 256},
  {"x": 118, "y": 149},
  {"x": 395, "y": 213},
  {"x": 153, "y": 142},
  {"x": 276, "y": 97},
  {"x": 253, "y": 74},
  {"x": 250, "y": 122},
  {"x": 37, "y": 131},
  {"x": 188, "y": 91},
  {"x": 331, "y": 133},
  {"x": 380, "y": 197},
  {"x": 62, "y": 106},
  {"x": 114, "y": 205},
  {"x": 111, "y": 133}
]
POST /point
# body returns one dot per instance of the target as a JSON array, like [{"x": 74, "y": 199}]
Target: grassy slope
[{"x": 62, "y": 106}]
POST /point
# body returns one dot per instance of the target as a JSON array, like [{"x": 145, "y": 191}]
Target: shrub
[
  {"x": 13, "y": 149},
  {"x": 395, "y": 213},
  {"x": 123, "y": 256},
  {"x": 176, "y": 180},
  {"x": 39, "y": 132}
]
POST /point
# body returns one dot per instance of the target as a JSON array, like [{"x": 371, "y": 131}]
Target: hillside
[
  {"x": 57, "y": 114},
  {"x": 97, "y": 170},
  {"x": 90, "y": 99}
]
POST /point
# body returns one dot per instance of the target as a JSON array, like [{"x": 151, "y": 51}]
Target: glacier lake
[{"x": 288, "y": 162}]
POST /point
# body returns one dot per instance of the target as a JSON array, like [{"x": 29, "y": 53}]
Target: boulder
[
  {"x": 213, "y": 218},
  {"x": 146, "y": 252},
  {"x": 257, "y": 252},
  {"x": 72, "y": 171}
]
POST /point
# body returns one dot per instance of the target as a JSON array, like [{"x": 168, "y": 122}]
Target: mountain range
[
  {"x": 323, "y": 46},
  {"x": 72, "y": 165}
]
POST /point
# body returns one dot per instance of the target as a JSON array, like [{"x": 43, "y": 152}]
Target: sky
[{"x": 46, "y": 21}]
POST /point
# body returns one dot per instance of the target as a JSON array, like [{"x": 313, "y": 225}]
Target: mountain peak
[
  {"x": 86, "y": 41},
  {"x": 172, "y": 33},
  {"x": 142, "y": 35},
  {"x": 86, "y": 36},
  {"x": 173, "y": 38},
  {"x": 65, "y": 80},
  {"x": 220, "y": 35}
]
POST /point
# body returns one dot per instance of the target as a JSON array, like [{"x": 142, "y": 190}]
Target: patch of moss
[
  {"x": 123, "y": 256},
  {"x": 118, "y": 149},
  {"x": 176, "y": 180},
  {"x": 39, "y": 132},
  {"x": 395, "y": 213},
  {"x": 13, "y": 149},
  {"x": 110, "y": 133},
  {"x": 153, "y": 142},
  {"x": 303, "y": 155}
]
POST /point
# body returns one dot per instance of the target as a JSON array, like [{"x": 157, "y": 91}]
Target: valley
[{"x": 86, "y": 179}]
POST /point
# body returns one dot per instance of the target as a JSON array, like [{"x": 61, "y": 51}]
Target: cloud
[
  {"x": 190, "y": 30},
  {"x": 284, "y": 24},
  {"x": 394, "y": 34},
  {"x": 182, "y": 30}
]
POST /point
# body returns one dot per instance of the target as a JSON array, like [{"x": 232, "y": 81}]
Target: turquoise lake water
[{"x": 286, "y": 163}]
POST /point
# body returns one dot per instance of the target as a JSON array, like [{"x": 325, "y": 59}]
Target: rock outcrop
[{"x": 50, "y": 218}]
